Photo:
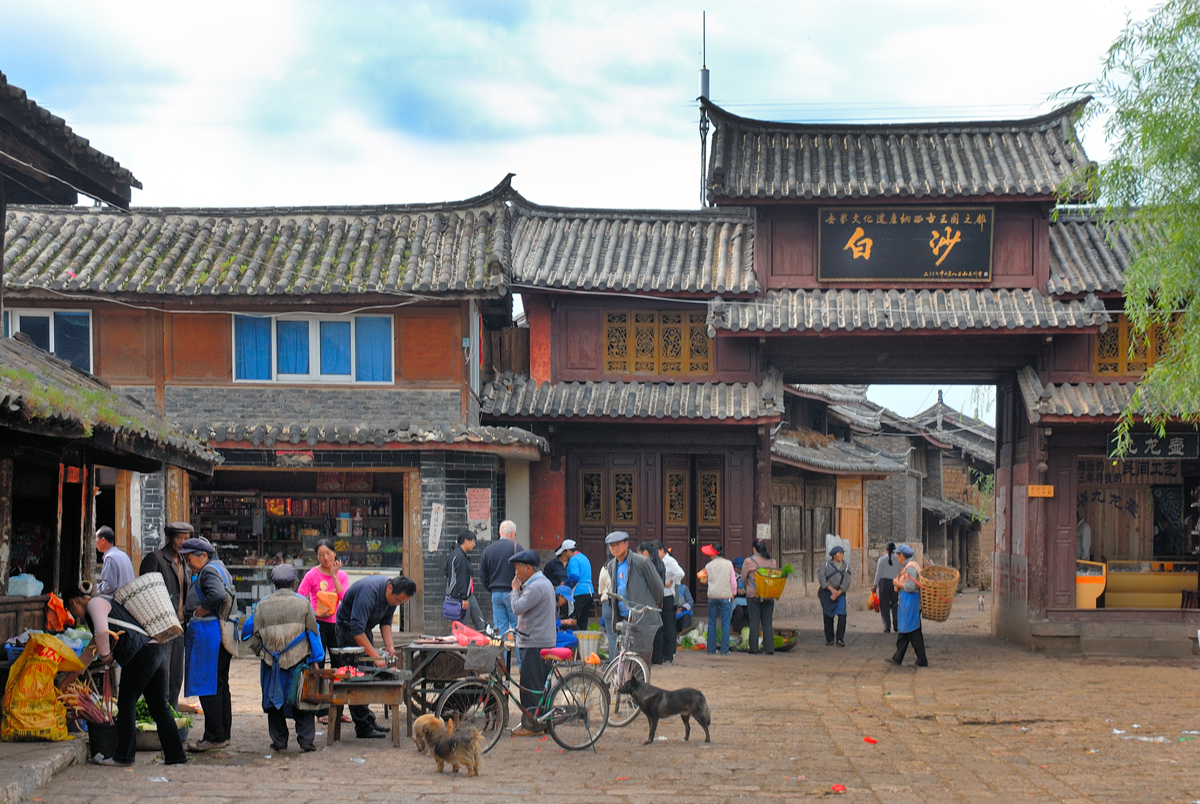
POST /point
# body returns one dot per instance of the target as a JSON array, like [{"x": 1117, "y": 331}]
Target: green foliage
[
  {"x": 786, "y": 570},
  {"x": 1148, "y": 96}
]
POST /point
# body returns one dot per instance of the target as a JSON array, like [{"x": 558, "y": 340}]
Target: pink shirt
[{"x": 315, "y": 580}]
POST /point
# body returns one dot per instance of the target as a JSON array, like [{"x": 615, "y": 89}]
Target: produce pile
[
  {"x": 145, "y": 722},
  {"x": 84, "y": 704}
]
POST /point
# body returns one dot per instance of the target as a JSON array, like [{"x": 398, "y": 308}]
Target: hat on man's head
[
  {"x": 905, "y": 550},
  {"x": 199, "y": 544},
  {"x": 568, "y": 544},
  {"x": 837, "y": 548},
  {"x": 283, "y": 573},
  {"x": 105, "y": 532},
  {"x": 525, "y": 557},
  {"x": 616, "y": 536},
  {"x": 178, "y": 527}
]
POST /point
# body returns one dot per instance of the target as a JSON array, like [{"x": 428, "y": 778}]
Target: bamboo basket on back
[{"x": 938, "y": 587}]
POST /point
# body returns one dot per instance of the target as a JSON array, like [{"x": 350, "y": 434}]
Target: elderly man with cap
[
  {"x": 118, "y": 569},
  {"x": 209, "y": 601},
  {"x": 634, "y": 578},
  {"x": 532, "y": 600},
  {"x": 169, "y": 563},
  {"x": 285, "y": 636},
  {"x": 908, "y": 610},
  {"x": 368, "y": 603},
  {"x": 579, "y": 578},
  {"x": 833, "y": 582}
]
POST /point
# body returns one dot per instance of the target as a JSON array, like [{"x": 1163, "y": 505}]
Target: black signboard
[
  {"x": 1184, "y": 446},
  {"x": 913, "y": 244}
]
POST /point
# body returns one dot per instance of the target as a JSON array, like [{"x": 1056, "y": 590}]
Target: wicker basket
[
  {"x": 148, "y": 601},
  {"x": 938, "y": 587},
  {"x": 768, "y": 582}
]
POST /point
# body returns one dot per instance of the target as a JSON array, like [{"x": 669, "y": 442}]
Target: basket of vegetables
[
  {"x": 147, "y": 730},
  {"x": 769, "y": 582}
]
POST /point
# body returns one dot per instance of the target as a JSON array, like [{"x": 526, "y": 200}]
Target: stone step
[{"x": 1136, "y": 646}]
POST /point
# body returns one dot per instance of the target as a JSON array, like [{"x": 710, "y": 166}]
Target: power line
[{"x": 93, "y": 196}]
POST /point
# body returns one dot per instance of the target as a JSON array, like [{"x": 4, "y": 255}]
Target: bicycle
[
  {"x": 574, "y": 707},
  {"x": 628, "y": 663}
]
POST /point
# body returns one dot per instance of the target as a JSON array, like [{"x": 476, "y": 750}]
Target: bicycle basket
[
  {"x": 640, "y": 641},
  {"x": 481, "y": 659}
]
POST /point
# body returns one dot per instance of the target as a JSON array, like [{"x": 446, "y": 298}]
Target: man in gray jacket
[
  {"x": 634, "y": 578},
  {"x": 532, "y": 600}
]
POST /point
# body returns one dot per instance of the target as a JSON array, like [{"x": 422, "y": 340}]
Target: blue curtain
[
  {"x": 373, "y": 349},
  {"x": 291, "y": 346},
  {"x": 251, "y": 348},
  {"x": 335, "y": 347},
  {"x": 72, "y": 339}
]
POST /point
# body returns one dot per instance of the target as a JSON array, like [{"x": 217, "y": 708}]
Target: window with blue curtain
[
  {"x": 373, "y": 349},
  {"x": 335, "y": 347},
  {"x": 251, "y": 348},
  {"x": 291, "y": 347},
  {"x": 72, "y": 339}
]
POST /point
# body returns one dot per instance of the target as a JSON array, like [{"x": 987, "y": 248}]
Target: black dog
[{"x": 656, "y": 704}]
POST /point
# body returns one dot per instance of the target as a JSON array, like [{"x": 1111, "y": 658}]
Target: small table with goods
[{"x": 360, "y": 684}]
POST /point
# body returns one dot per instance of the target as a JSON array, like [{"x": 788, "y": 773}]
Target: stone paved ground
[{"x": 988, "y": 722}]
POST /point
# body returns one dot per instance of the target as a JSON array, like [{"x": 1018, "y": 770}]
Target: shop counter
[
  {"x": 1148, "y": 584},
  {"x": 1090, "y": 579}
]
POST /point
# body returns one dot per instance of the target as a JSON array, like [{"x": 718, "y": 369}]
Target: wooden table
[{"x": 321, "y": 686}]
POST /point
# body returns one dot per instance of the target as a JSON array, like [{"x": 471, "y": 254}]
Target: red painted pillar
[
  {"x": 547, "y": 503},
  {"x": 537, "y": 313}
]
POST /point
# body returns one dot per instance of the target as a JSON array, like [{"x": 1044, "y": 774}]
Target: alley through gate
[{"x": 987, "y": 722}]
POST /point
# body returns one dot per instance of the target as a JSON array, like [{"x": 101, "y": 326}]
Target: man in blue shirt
[
  {"x": 579, "y": 578},
  {"x": 636, "y": 580},
  {"x": 368, "y": 603}
]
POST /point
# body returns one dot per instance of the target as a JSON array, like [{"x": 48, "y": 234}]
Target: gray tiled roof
[
  {"x": 943, "y": 423},
  {"x": 952, "y": 309},
  {"x": 1079, "y": 400},
  {"x": 519, "y": 397},
  {"x": 761, "y": 159},
  {"x": 1087, "y": 255},
  {"x": 834, "y": 393},
  {"x": 267, "y": 433},
  {"x": 431, "y": 248},
  {"x": 40, "y": 393},
  {"x": 948, "y": 509},
  {"x": 703, "y": 251},
  {"x": 52, "y": 133},
  {"x": 838, "y": 457}
]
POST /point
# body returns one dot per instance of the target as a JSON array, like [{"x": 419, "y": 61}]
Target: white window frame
[
  {"x": 14, "y": 315},
  {"x": 314, "y": 375}
]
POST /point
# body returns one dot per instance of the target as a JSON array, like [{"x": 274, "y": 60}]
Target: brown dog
[
  {"x": 427, "y": 730},
  {"x": 464, "y": 748}
]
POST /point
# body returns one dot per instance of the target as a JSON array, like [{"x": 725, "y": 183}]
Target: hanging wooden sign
[{"x": 905, "y": 243}]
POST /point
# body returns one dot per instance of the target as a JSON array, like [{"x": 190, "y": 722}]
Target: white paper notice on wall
[
  {"x": 479, "y": 513},
  {"x": 437, "y": 519},
  {"x": 763, "y": 531}
]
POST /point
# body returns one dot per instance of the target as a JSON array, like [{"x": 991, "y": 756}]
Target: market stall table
[{"x": 386, "y": 687}]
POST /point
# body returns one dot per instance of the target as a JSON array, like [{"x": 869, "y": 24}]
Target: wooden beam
[
  {"x": 414, "y": 551},
  {"x": 6, "y": 478}
]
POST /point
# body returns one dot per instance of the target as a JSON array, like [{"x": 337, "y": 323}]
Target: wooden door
[
  {"x": 709, "y": 485},
  {"x": 678, "y": 499},
  {"x": 788, "y": 533},
  {"x": 611, "y": 491}
]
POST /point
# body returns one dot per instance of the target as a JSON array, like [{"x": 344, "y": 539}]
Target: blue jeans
[
  {"x": 723, "y": 609},
  {"x": 502, "y": 613},
  {"x": 607, "y": 611}
]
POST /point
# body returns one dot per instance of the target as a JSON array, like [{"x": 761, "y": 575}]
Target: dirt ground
[{"x": 986, "y": 722}]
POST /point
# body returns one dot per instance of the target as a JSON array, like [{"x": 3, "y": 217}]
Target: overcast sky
[{"x": 590, "y": 104}]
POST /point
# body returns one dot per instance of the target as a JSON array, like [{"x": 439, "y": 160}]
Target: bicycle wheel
[
  {"x": 475, "y": 703},
  {"x": 622, "y": 708},
  {"x": 578, "y": 710}
]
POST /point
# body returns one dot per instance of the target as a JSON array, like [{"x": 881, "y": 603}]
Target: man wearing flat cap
[
  {"x": 285, "y": 636},
  {"x": 635, "y": 578},
  {"x": 169, "y": 563},
  {"x": 532, "y": 600}
]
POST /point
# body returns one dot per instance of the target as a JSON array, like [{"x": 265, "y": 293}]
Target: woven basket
[
  {"x": 148, "y": 601},
  {"x": 768, "y": 582},
  {"x": 938, "y": 587}
]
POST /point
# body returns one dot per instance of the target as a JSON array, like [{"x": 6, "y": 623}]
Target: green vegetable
[
  {"x": 143, "y": 715},
  {"x": 786, "y": 570},
  {"x": 780, "y": 641}
]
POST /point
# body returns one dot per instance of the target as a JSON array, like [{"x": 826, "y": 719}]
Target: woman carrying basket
[
  {"x": 907, "y": 583},
  {"x": 761, "y": 610}
]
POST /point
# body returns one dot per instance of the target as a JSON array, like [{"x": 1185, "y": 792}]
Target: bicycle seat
[{"x": 557, "y": 654}]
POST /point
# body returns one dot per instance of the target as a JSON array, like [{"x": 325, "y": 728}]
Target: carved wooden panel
[
  {"x": 624, "y": 497},
  {"x": 591, "y": 497},
  {"x": 709, "y": 497},
  {"x": 649, "y": 342},
  {"x": 677, "y": 498}
]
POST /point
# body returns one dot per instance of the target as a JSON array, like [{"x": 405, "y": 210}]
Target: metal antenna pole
[{"x": 703, "y": 114}]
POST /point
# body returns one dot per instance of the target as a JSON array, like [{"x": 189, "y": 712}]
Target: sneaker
[
  {"x": 373, "y": 734},
  {"x": 109, "y": 761},
  {"x": 307, "y": 747},
  {"x": 522, "y": 731},
  {"x": 841, "y": 643},
  {"x": 829, "y": 643},
  {"x": 278, "y": 748},
  {"x": 204, "y": 745}
]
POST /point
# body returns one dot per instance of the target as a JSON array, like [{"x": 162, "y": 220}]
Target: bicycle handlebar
[{"x": 636, "y": 608}]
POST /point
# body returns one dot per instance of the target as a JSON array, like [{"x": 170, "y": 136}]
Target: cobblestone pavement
[{"x": 987, "y": 722}]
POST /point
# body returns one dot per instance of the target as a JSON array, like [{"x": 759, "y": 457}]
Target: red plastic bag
[
  {"x": 873, "y": 601},
  {"x": 468, "y": 636}
]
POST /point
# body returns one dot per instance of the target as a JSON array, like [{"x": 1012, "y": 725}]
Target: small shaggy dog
[
  {"x": 463, "y": 748},
  {"x": 427, "y": 730}
]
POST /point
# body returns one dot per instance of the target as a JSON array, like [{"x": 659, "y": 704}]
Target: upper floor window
[
  {"x": 67, "y": 334},
  {"x": 649, "y": 342},
  {"x": 294, "y": 348},
  {"x": 1114, "y": 356}
]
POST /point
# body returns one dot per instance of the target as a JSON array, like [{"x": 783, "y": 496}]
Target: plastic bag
[
  {"x": 57, "y": 616},
  {"x": 24, "y": 585},
  {"x": 32, "y": 710},
  {"x": 873, "y": 601},
  {"x": 468, "y": 636},
  {"x": 326, "y": 604}
]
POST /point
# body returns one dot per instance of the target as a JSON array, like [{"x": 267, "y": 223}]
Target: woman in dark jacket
[
  {"x": 143, "y": 673},
  {"x": 205, "y": 606}
]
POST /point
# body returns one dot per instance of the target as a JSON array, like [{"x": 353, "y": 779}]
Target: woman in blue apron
[
  {"x": 833, "y": 580},
  {"x": 207, "y": 659},
  {"x": 908, "y": 610}
]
